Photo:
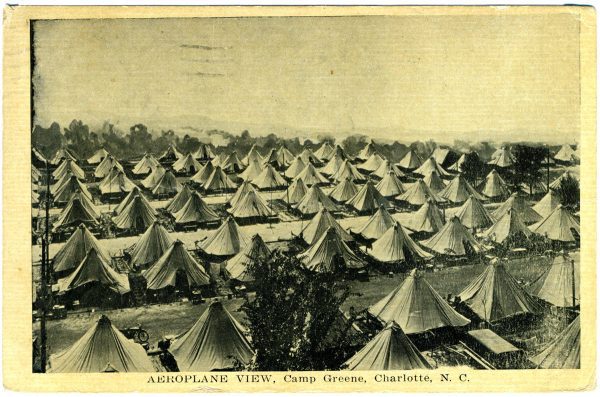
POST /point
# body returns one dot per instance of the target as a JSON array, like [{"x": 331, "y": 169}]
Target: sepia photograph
[{"x": 384, "y": 197}]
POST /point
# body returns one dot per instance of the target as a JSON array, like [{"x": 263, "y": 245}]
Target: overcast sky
[{"x": 514, "y": 77}]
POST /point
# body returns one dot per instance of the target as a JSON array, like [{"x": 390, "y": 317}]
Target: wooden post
[{"x": 573, "y": 282}]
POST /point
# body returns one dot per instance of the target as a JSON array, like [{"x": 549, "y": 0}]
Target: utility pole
[
  {"x": 573, "y": 282},
  {"x": 548, "y": 169},
  {"x": 43, "y": 279}
]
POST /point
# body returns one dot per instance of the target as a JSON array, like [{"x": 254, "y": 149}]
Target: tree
[
  {"x": 528, "y": 165},
  {"x": 79, "y": 140},
  {"x": 140, "y": 140},
  {"x": 47, "y": 140},
  {"x": 568, "y": 192},
  {"x": 473, "y": 169},
  {"x": 291, "y": 314}
]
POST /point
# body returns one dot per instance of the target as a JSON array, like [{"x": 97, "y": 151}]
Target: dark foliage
[
  {"x": 291, "y": 315},
  {"x": 568, "y": 192},
  {"x": 528, "y": 165},
  {"x": 47, "y": 140},
  {"x": 473, "y": 168}
]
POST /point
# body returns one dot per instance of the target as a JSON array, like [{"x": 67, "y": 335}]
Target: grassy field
[{"x": 175, "y": 318}]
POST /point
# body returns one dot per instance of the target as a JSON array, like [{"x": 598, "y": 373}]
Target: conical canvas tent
[
  {"x": 37, "y": 158},
  {"x": 237, "y": 267},
  {"x": 556, "y": 183},
  {"x": 330, "y": 253},
  {"x": 219, "y": 158},
  {"x": 284, "y": 157},
  {"x": 145, "y": 165},
  {"x": 377, "y": 224},
  {"x": 428, "y": 219},
  {"x": 385, "y": 167},
  {"x": 215, "y": 342},
  {"x": 473, "y": 214},
  {"x": 308, "y": 156},
  {"x": 203, "y": 174},
  {"x": 295, "y": 168},
  {"x": 313, "y": 201},
  {"x": 118, "y": 183},
  {"x": 416, "y": 307},
  {"x": 559, "y": 281},
  {"x": 36, "y": 175},
  {"x": 250, "y": 205},
  {"x": 335, "y": 163},
  {"x": 68, "y": 167},
  {"x": 418, "y": 193},
  {"x": 77, "y": 211},
  {"x": 395, "y": 245},
  {"x": 137, "y": 215},
  {"x": 232, "y": 163},
  {"x": 167, "y": 184},
  {"x": 494, "y": 186},
  {"x": 429, "y": 166},
  {"x": 368, "y": 199},
  {"x": 347, "y": 170},
  {"x": 368, "y": 151},
  {"x": 295, "y": 192},
  {"x": 252, "y": 156},
  {"x": 509, "y": 226},
  {"x": 204, "y": 152},
  {"x": 102, "y": 346},
  {"x": 547, "y": 204},
  {"x": 218, "y": 181},
  {"x": 244, "y": 188},
  {"x": 389, "y": 350},
  {"x": 325, "y": 151},
  {"x": 151, "y": 246},
  {"x": 195, "y": 211},
  {"x": 517, "y": 202},
  {"x": 70, "y": 255},
  {"x": 459, "y": 191},
  {"x": 373, "y": 163},
  {"x": 434, "y": 182},
  {"x": 495, "y": 295},
  {"x": 152, "y": 179},
  {"x": 227, "y": 240},
  {"x": 61, "y": 154},
  {"x": 410, "y": 161},
  {"x": 163, "y": 273},
  {"x": 564, "y": 352},
  {"x": 443, "y": 156},
  {"x": 179, "y": 200},
  {"x": 310, "y": 176},
  {"x": 135, "y": 192},
  {"x": 270, "y": 158},
  {"x": 319, "y": 224},
  {"x": 94, "y": 269},
  {"x": 252, "y": 171},
  {"x": 565, "y": 154},
  {"x": 457, "y": 166},
  {"x": 186, "y": 164},
  {"x": 453, "y": 239},
  {"x": 171, "y": 154},
  {"x": 503, "y": 160},
  {"x": 344, "y": 191},
  {"x": 98, "y": 156},
  {"x": 71, "y": 186},
  {"x": 269, "y": 179},
  {"x": 560, "y": 225},
  {"x": 390, "y": 185},
  {"x": 106, "y": 166}
]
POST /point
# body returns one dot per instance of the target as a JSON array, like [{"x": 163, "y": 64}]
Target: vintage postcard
[{"x": 299, "y": 199}]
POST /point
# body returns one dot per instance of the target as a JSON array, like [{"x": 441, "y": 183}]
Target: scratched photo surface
[{"x": 306, "y": 194}]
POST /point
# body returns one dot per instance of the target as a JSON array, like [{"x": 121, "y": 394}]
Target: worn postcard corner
[{"x": 215, "y": 199}]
